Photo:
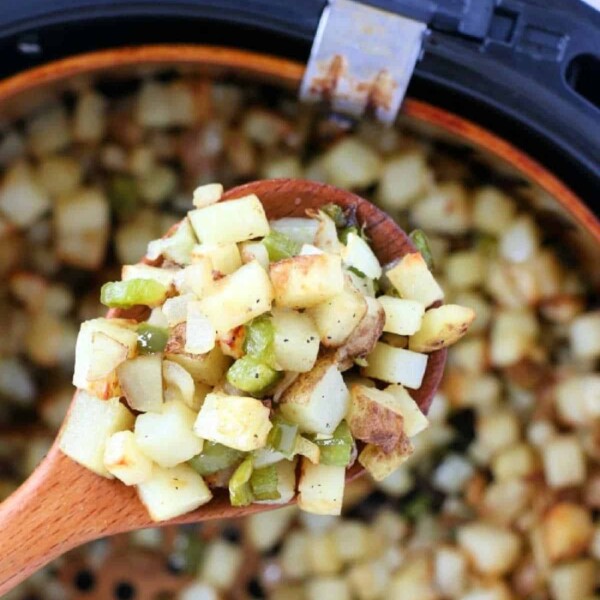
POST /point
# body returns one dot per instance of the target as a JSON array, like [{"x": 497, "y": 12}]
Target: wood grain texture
[{"x": 63, "y": 505}]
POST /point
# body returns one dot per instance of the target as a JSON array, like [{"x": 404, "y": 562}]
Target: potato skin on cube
[
  {"x": 396, "y": 365},
  {"x": 89, "y": 424},
  {"x": 321, "y": 488},
  {"x": 238, "y": 422},
  {"x": 233, "y": 221},
  {"x": 441, "y": 327},
  {"x": 169, "y": 493},
  {"x": 414, "y": 281},
  {"x": 305, "y": 281},
  {"x": 379, "y": 463},
  {"x": 317, "y": 401},
  {"x": 238, "y": 298}
]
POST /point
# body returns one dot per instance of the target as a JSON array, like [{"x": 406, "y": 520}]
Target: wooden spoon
[{"x": 63, "y": 504}]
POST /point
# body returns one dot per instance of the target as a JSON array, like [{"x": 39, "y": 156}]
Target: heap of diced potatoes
[{"x": 268, "y": 349}]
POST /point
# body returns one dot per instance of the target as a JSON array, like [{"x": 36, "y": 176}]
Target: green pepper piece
[
  {"x": 336, "y": 214},
  {"x": 240, "y": 490},
  {"x": 151, "y": 339},
  {"x": 280, "y": 246},
  {"x": 419, "y": 239},
  {"x": 123, "y": 196},
  {"x": 259, "y": 339},
  {"x": 344, "y": 233},
  {"x": 357, "y": 272},
  {"x": 251, "y": 375},
  {"x": 125, "y": 294},
  {"x": 214, "y": 457},
  {"x": 282, "y": 437},
  {"x": 264, "y": 483},
  {"x": 337, "y": 451}
]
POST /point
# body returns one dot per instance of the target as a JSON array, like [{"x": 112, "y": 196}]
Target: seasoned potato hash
[{"x": 241, "y": 374}]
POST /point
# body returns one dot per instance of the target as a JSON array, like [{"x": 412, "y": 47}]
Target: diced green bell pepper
[
  {"x": 125, "y": 294},
  {"x": 259, "y": 340},
  {"x": 282, "y": 437},
  {"x": 346, "y": 231},
  {"x": 251, "y": 375},
  {"x": 419, "y": 239},
  {"x": 214, "y": 457},
  {"x": 280, "y": 246},
  {"x": 336, "y": 214},
  {"x": 264, "y": 483},
  {"x": 151, "y": 339},
  {"x": 240, "y": 490},
  {"x": 337, "y": 450}
]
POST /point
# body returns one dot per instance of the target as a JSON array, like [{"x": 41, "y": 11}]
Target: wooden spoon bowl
[{"x": 63, "y": 504}]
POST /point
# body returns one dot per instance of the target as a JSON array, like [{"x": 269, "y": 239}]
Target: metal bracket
[{"x": 362, "y": 59}]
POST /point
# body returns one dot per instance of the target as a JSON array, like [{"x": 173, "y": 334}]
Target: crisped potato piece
[
  {"x": 89, "y": 424},
  {"x": 339, "y": 316},
  {"x": 124, "y": 459},
  {"x": 317, "y": 401},
  {"x": 413, "y": 280},
  {"x": 321, "y": 488},
  {"x": 225, "y": 257},
  {"x": 234, "y": 221},
  {"x": 370, "y": 420},
  {"x": 238, "y": 298},
  {"x": 414, "y": 421},
  {"x": 238, "y": 422},
  {"x": 168, "y": 493},
  {"x": 305, "y": 281},
  {"x": 381, "y": 464},
  {"x": 441, "y": 327}
]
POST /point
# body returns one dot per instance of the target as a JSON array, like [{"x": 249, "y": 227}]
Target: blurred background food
[{"x": 501, "y": 499}]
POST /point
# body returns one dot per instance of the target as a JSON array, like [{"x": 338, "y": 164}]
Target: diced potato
[
  {"x": 351, "y": 164},
  {"x": 321, "y": 488},
  {"x": 59, "y": 175},
  {"x": 299, "y": 229},
  {"x": 452, "y": 474},
  {"x": 177, "y": 247},
  {"x": 493, "y": 211},
  {"x": 470, "y": 355},
  {"x": 398, "y": 483},
  {"x": 167, "y": 437},
  {"x": 402, "y": 317},
  {"x": 89, "y": 119},
  {"x": 294, "y": 554},
  {"x": 414, "y": 579},
  {"x": 225, "y": 257},
  {"x": 337, "y": 317},
  {"x": 578, "y": 399},
  {"x": 178, "y": 383},
  {"x": 413, "y": 280},
  {"x": 200, "y": 335},
  {"x": 196, "y": 278},
  {"x": 238, "y": 298},
  {"x": 141, "y": 382},
  {"x": 396, "y": 365},
  {"x": 584, "y": 335},
  {"x": 208, "y": 194},
  {"x": 403, "y": 178},
  {"x": 266, "y": 529},
  {"x": 518, "y": 461},
  {"x": 351, "y": 539},
  {"x": 257, "y": 251},
  {"x": 169, "y": 493},
  {"x": 281, "y": 166},
  {"x": 124, "y": 459},
  {"x": 163, "y": 276},
  {"x": 441, "y": 327},
  {"x": 492, "y": 550},
  {"x": 445, "y": 210},
  {"x": 89, "y": 424},
  {"x": 328, "y": 587},
  {"x": 326, "y": 238},
  {"x": 450, "y": 571},
  {"x": 364, "y": 285},
  {"x": 568, "y": 530},
  {"x": 305, "y": 281},
  {"x": 175, "y": 309},
  {"x": 520, "y": 241},
  {"x": 125, "y": 345},
  {"x": 308, "y": 449},
  {"x": 564, "y": 461},
  {"x": 48, "y": 130},
  {"x": 514, "y": 333},
  {"x": 358, "y": 254},
  {"x": 82, "y": 226},
  {"x": 482, "y": 308},
  {"x": 208, "y": 368},
  {"x": 465, "y": 269},
  {"x": 22, "y": 199},
  {"x": 498, "y": 430},
  {"x": 574, "y": 580},
  {"x": 238, "y": 422},
  {"x": 198, "y": 590},
  {"x": 368, "y": 580},
  {"x": 221, "y": 564},
  {"x": 317, "y": 401},
  {"x": 234, "y": 221},
  {"x": 296, "y": 341},
  {"x": 372, "y": 419},
  {"x": 382, "y": 464}
]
